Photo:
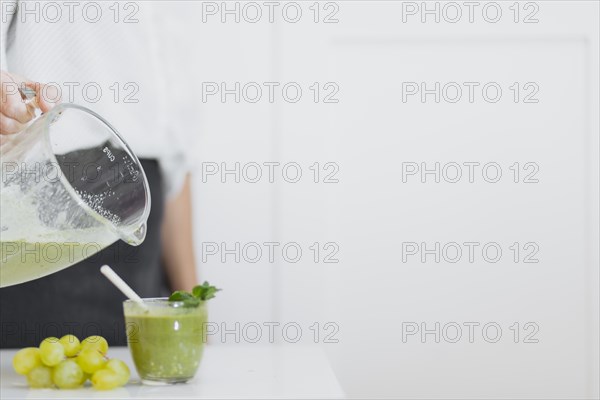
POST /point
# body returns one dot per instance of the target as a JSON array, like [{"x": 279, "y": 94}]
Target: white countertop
[{"x": 226, "y": 371}]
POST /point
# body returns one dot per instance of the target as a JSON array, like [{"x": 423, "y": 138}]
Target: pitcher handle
[{"x": 28, "y": 95}]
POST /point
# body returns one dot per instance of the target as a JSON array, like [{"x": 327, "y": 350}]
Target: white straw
[{"x": 121, "y": 285}]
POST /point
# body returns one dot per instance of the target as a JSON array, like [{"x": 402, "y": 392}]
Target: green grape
[
  {"x": 90, "y": 360},
  {"x": 106, "y": 379},
  {"x": 95, "y": 342},
  {"x": 51, "y": 351},
  {"x": 71, "y": 345},
  {"x": 40, "y": 377},
  {"x": 26, "y": 359},
  {"x": 68, "y": 375},
  {"x": 119, "y": 368}
]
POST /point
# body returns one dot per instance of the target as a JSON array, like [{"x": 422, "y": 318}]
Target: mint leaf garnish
[
  {"x": 199, "y": 294},
  {"x": 180, "y": 295},
  {"x": 205, "y": 291}
]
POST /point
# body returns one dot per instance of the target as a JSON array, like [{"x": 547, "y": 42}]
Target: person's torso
[{"x": 102, "y": 55}]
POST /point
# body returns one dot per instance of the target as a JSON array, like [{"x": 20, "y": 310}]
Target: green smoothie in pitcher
[
  {"x": 22, "y": 261},
  {"x": 166, "y": 336}
]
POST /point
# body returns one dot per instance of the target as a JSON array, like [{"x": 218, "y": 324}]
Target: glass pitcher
[{"x": 70, "y": 187}]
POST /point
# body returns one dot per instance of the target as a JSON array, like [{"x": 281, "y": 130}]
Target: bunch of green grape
[{"x": 67, "y": 363}]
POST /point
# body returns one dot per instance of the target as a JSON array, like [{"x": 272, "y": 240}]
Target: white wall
[{"x": 369, "y": 134}]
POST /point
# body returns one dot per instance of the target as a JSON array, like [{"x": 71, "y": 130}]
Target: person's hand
[{"x": 14, "y": 112}]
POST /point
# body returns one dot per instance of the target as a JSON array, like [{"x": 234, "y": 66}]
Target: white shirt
[{"x": 103, "y": 59}]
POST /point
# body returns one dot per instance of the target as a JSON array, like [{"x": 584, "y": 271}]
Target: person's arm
[
  {"x": 14, "y": 113},
  {"x": 177, "y": 241}
]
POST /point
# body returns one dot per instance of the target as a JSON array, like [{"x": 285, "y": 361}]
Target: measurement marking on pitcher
[
  {"x": 132, "y": 172},
  {"x": 109, "y": 154}
]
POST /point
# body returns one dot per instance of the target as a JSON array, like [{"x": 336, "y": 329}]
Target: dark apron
[{"x": 79, "y": 300}]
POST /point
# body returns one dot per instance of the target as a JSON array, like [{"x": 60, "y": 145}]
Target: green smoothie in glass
[{"x": 166, "y": 338}]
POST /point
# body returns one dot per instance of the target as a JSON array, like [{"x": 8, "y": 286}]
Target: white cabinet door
[{"x": 465, "y": 217}]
